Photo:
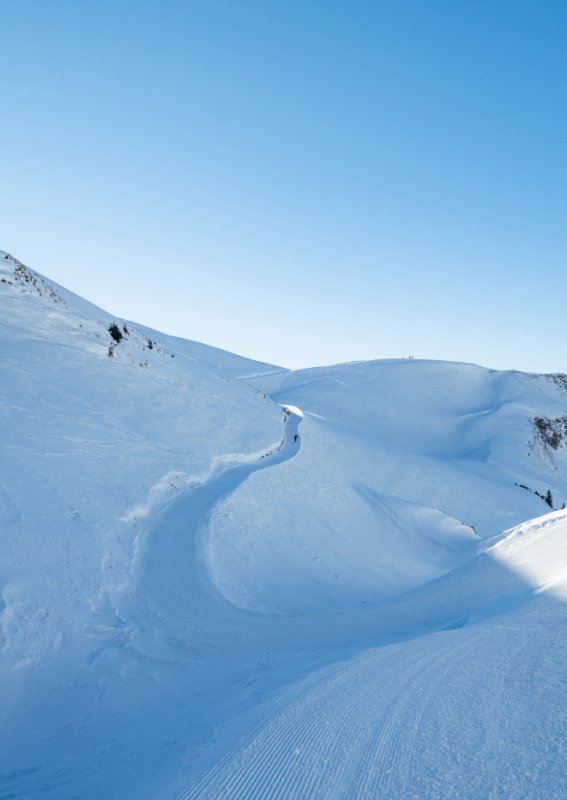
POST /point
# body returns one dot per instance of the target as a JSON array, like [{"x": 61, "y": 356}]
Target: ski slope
[
  {"x": 224, "y": 579},
  {"x": 470, "y": 707}
]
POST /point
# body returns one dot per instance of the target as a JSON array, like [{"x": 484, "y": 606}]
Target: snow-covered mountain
[{"x": 221, "y": 578}]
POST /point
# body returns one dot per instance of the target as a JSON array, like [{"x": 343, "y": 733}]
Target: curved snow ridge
[
  {"x": 169, "y": 590},
  {"x": 174, "y": 483}
]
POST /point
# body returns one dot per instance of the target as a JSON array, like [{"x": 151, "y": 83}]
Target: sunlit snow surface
[{"x": 220, "y": 579}]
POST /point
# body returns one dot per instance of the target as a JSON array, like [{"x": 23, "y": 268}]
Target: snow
[
  {"x": 537, "y": 551},
  {"x": 403, "y": 463},
  {"x": 468, "y": 705},
  {"x": 221, "y": 578}
]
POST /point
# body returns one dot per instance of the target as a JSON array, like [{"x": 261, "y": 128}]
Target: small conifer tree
[{"x": 115, "y": 332}]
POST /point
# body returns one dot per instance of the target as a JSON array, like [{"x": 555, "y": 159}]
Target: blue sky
[{"x": 301, "y": 182}]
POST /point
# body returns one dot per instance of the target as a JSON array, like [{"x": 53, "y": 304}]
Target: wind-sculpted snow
[{"x": 221, "y": 579}]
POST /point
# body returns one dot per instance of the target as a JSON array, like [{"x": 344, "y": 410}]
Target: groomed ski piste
[{"x": 224, "y": 579}]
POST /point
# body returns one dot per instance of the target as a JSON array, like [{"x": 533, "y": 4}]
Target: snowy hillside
[
  {"x": 220, "y": 578},
  {"x": 403, "y": 466},
  {"x": 95, "y": 432}
]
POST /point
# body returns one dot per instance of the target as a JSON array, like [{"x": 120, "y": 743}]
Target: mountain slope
[
  {"x": 92, "y": 429},
  {"x": 222, "y": 578},
  {"x": 403, "y": 466}
]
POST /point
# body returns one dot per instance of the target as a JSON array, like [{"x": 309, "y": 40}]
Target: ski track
[
  {"x": 365, "y": 728},
  {"x": 310, "y": 748}
]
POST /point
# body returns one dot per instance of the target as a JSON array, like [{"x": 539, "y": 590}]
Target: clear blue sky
[{"x": 300, "y": 181}]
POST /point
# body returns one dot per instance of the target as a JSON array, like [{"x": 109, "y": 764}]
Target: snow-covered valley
[{"x": 225, "y": 579}]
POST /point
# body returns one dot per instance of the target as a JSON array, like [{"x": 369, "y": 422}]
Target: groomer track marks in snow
[{"x": 385, "y": 722}]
